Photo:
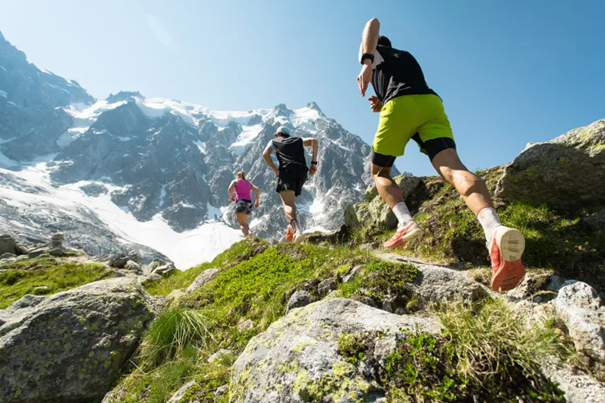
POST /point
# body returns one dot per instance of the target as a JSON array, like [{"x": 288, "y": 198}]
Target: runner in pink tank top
[
  {"x": 239, "y": 191},
  {"x": 242, "y": 190}
]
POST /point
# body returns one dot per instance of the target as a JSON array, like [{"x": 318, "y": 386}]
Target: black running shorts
[
  {"x": 429, "y": 147},
  {"x": 243, "y": 206},
  {"x": 291, "y": 178}
]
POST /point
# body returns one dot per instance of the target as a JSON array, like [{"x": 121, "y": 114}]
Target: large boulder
[
  {"x": 566, "y": 173},
  {"x": 298, "y": 355},
  {"x": 69, "y": 347},
  {"x": 583, "y": 312}
]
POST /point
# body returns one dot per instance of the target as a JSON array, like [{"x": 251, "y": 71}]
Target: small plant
[{"x": 172, "y": 332}]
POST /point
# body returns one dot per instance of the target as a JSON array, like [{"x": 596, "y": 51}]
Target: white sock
[
  {"x": 402, "y": 213},
  {"x": 488, "y": 218}
]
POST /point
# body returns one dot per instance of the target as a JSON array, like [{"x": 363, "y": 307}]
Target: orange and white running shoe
[
  {"x": 403, "y": 235},
  {"x": 505, "y": 252},
  {"x": 289, "y": 234}
]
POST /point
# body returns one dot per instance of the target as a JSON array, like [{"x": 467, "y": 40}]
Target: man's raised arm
[
  {"x": 369, "y": 40},
  {"x": 312, "y": 142}
]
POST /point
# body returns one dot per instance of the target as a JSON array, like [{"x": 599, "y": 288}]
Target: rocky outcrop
[
  {"x": 566, "y": 173},
  {"x": 373, "y": 212},
  {"x": 297, "y": 359},
  {"x": 70, "y": 346},
  {"x": 583, "y": 312}
]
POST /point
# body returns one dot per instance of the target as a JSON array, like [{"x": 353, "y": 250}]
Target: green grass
[
  {"x": 45, "y": 276},
  {"x": 172, "y": 332},
  {"x": 485, "y": 353},
  {"x": 381, "y": 279},
  {"x": 181, "y": 280},
  {"x": 254, "y": 283},
  {"x": 157, "y": 385}
]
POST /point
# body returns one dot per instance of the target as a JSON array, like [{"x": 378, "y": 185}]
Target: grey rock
[
  {"x": 565, "y": 173},
  {"x": 134, "y": 256},
  {"x": 556, "y": 283},
  {"x": 351, "y": 275},
  {"x": 246, "y": 325},
  {"x": 37, "y": 253},
  {"x": 204, "y": 278},
  {"x": 118, "y": 260},
  {"x": 56, "y": 241},
  {"x": 300, "y": 350},
  {"x": 596, "y": 221},
  {"x": 326, "y": 286},
  {"x": 165, "y": 270},
  {"x": 180, "y": 394},
  {"x": 220, "y": 353},
  {"x": 56, "y": 252},
  {"x": 7, "y": 244},
  {"x": 583, "y": 312},
  {"x": 154, "y": 265},
  {"x": 436, "y": 284},
  {"x": 577, "y": 386},
  {"x": 7, "y": 255},
  {"x": 94, "y": 189},
  {"x": 299, "y": 299},
  {"x": 133, "y": 266},
  {"x": 70, "y": 346}
]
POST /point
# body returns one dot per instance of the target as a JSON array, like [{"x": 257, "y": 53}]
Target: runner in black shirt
[{"x": 292, "y": 173}]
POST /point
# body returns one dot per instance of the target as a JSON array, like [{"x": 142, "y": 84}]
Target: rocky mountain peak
[
  {"x": 313, "y": 105},
  {"x": 283, "y": 111},
  {"x": 123, "y": 96}
]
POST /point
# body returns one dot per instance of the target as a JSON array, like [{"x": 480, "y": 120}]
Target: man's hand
[
  {"x": 375, "y": 103},
  {"x": 276, "y": 172},
  {"x": 365, "y": 76},
  {"x": 313, "y": 169},
  {"x": 256, "y": 204},
  {"x": 232, "y": 198}
]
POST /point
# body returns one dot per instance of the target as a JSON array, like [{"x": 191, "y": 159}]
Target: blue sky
[{"x": 510, "y": 72}]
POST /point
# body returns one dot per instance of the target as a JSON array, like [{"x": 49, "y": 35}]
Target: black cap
[{"x": 384, "y": 41}]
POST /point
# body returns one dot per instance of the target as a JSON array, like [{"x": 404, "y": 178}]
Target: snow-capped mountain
[{"x": 154, "y": 172}]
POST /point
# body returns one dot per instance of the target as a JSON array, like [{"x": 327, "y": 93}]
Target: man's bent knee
[{"x": 467, "y": 183}]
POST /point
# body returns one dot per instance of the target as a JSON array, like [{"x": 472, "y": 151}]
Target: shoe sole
[
  {"x": 511, "y": 244},
  {"x": 413, "y": 234},
  {"x": 299, "y": 239}
]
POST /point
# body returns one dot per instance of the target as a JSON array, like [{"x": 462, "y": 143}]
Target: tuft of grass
[
  {"x": 484, "y": 354},
  {"x": 490, "y": 340},
  {"x": 46, "y": 276},
  {"x": 170, "y": 334},
  {"x": 157, "y": 385}
]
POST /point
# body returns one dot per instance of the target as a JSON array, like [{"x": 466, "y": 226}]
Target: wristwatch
[{"x": 367, "y": 56}]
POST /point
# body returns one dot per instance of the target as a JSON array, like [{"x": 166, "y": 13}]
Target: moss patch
[{"x": 45, "y": 276}]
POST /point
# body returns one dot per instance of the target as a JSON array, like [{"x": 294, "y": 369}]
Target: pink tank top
[{"x": 242, "y": 190}]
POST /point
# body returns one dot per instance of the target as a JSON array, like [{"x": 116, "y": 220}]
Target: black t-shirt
[
  {"x": 290, "y": 152},
  {"x": 396, "y": 73}
]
